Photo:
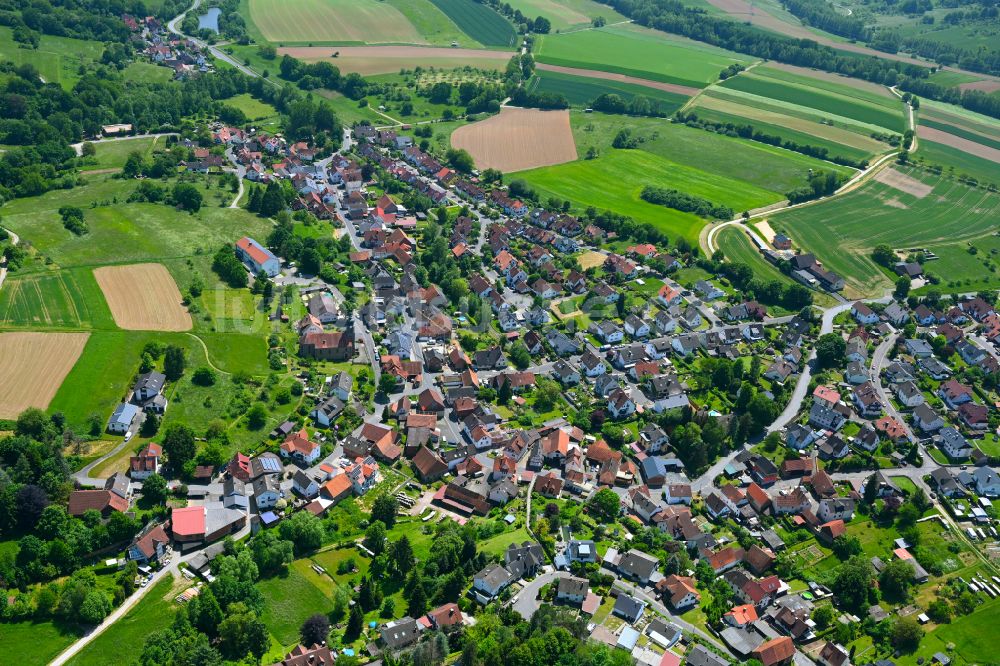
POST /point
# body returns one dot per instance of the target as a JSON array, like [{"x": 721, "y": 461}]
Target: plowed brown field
[{"x": 518, "y": 139}]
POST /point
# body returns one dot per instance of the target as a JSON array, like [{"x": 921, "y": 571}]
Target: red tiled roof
[{"x": 188, "y": 521}]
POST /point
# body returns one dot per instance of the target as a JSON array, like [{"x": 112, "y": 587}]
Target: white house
[
  {"x": 620, "y": 404},
  {"x": 863, "y": 314},
  {"x": 636, "y": 327},
  {"x": 304, "y": 485},
  {"x": 125, "y": 418},
  {"x": 257, "y": 258},
  {"x": 266, "y": 491}
]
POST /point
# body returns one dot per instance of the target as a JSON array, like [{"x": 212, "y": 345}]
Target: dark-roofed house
[
  {"x": 637, "y": 565},
  {"x": 629, "y": 608},
  {"x": 399, "y": 634},
  {"x": 572, "y": 590}
]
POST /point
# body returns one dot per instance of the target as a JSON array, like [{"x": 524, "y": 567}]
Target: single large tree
[{"x": 315, "y": 630}]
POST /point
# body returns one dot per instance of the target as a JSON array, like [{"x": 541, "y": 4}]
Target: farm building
[{"x": 257, "y": 258}]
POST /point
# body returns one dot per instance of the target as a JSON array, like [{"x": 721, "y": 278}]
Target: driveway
[{"x": 527, "y": 602}]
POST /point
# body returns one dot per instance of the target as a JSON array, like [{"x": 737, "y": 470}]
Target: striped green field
[
  {"x": 958, "y": 162},
  {"x": 639, "y": 52},
  {"x": 827, "y": 97},
  {"x": 948, "y": 220},
  {"x": 797, "y": 125},
  {"x": 479, "y": 22},
  {"x": 66, "y": 299},
  {"x": 580, "y": 91}
]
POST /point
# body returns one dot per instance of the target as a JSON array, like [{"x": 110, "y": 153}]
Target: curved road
[{"x": 78, "y": 147}]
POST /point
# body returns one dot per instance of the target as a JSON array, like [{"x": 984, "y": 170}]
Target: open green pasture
[
  {"x": 961, "y": 131},
  {"x": 626, "y": 172},
  {"x": 290, "y": 598},
  {"x": 57, "y": 59},
  {"x": 124, "y": 232},
  {"x": 152, "y": 613},
  {"x": 113, "y": 154},
  {"x": 635, "y": 51},
  {"x": 34, "y": 642},
  {"x": 252, "y": 108},
  {"x": 479, "y": 22},
  {"x": 567, "y": 14},
  {"x": 761, "y": 165},
  {"x": 580, "y": 91},
  {"x": 738, "y": 248},
  {"x": 842, "y": 233},
  {"x": 827, "y": 97}
]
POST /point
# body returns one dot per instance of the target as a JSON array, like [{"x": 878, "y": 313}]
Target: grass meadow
[
  {"x": 152, "y": 613},
  {"x": 57, "y": 59},
  {"x": 958, "y": 162},
  {"x": 34, "y": 642},
  {"x": 113, "y": 154},
  {"x": 738, "y": 248},
  {"x": 948, "y": 221},
  {"x": 639, "y": 52},
  {"x": 739, "y": 173}
]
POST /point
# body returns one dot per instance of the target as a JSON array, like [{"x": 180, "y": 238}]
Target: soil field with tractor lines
[
  {"x": 143, "y": 297},
  {"x": 518, "y": 139},
  {"x": 33, "y": 366},
  {"x": 367, "y": 60}
]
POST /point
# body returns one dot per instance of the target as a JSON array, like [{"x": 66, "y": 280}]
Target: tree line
[
  {"x": 674, "y": 17},
  {"x": 687, "y": 203}
]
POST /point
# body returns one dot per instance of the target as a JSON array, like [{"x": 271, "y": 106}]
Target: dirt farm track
[
  {"x": 518, "y": 139},
  {"x": 33, "y": 366},
  {"x": 143, "y": 297}
]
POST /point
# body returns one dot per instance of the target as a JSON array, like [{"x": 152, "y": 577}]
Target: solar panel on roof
[{"x": 270, "y": 464}]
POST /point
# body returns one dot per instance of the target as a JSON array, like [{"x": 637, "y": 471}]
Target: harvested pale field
[
  {"x": 621, "y": 78},
  {"x": 143, "y": 297},
  {"x": 367, "y": 60},
  {"x": 333, "y": 21},
  {"x": 764, "y": 227},
  {"x": 835, "y": 134},
  {"x": 903, "y": 183},
  {"x": 518, "y": 139},
  {"x": 33, "y": 366},
  {"x": 985, "y": 86},
  {"x": 965, "y": 145},
  {"x": 591, "y": 259}
]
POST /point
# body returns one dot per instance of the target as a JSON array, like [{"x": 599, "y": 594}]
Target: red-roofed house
[{"x": 300, "y": 448}]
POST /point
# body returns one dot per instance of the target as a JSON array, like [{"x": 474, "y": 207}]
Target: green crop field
[
  {"x": 615, "y": 179},
  {"x": 761, "y": 165},
  {"x": 566, "y": 14},
  {"x": 479, "y": 22},
  {"x": 582, "y": 90},
  {"x": 60, "y": 299},
  {"x": 828, "y": 99},
  {"x": 639, "y": 52},
  {"x": 152, "y": 613},
  {"x": 947, "y": 220},
  {"x": 960, "y": 131},
  {"x": 960, "y": 162},
  {"x": 838, "y": 141},
  {"x": 57, "y": 59}
]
